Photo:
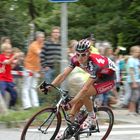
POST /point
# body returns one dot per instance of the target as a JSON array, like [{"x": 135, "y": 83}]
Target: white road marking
[{"x": 114, "y": 131}]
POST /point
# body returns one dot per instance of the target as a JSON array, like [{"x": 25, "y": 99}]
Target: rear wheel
[
  {"x": 43, "y": 125},
  {"x": 104, "y": 124},
  {"x": 105, "y": 121}
]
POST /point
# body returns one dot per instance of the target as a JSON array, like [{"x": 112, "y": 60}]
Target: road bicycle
[{"x": 45, "y": 124}]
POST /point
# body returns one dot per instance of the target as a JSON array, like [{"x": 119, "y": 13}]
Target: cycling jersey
[
  {"x": 100, "y": 68},
  {"x": 97, "y": 65}
]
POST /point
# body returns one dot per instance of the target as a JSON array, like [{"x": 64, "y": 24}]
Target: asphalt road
[{"x": 121, "y": 132}]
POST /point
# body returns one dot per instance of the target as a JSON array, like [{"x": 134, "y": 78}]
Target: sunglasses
[{"x": 81, "y": 54}]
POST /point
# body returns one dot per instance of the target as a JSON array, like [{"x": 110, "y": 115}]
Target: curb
[{"x": 12, "y": 124}]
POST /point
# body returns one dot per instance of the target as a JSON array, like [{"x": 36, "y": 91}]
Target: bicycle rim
[
  {"x": 105, "y": 119},
  {"x": 43, "y": 125}
]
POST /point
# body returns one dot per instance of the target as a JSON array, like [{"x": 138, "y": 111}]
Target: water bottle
[{"x": 81, "y": 116}]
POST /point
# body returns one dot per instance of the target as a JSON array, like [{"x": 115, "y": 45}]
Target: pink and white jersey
[{"x": 97, "y": 65}]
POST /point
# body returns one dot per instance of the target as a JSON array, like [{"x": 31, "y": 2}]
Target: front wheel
[{"x": 45, "y": 124}]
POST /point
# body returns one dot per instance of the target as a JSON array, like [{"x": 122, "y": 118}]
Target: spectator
[
  {"x": 32, "y": 66},
  {"x": 6, "y": 78},
  {"x": 71, "y": 48},
  {"x": 92, "y": 40},
  {"x": 109, "y": 53},
  {"x": 133, "y": 78},
  {"x": 5, "y": 41},
  {"x": 51, "y": 55},
  {"x": 127, "y": 90},
  {"x": 3, "y": 107},
  {"x": 19, "y": 65},
  {"x": 17, "y": 68}
]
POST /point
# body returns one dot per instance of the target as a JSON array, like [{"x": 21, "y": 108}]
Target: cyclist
[{"x": 101, "y": 80}]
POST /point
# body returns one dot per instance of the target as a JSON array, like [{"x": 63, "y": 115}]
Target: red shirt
[
  {"x": 96, "y": 65},
  {"x": 6, "y": 74}
]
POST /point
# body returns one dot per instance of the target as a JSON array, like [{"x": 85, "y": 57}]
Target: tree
[
  {"x": 131, "y": 31},
  {"x": 107, "y": 19}
]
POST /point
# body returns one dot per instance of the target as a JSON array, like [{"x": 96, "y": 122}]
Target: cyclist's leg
[
  {"x": 75, "y": 109},
  {"x": 97, "y": 88},
  {"x": 80, "y": 96},
  {"x": 88, "y": 103},
  {"x": 88, "y": 120},
  {"x": 85, "y": 100}
]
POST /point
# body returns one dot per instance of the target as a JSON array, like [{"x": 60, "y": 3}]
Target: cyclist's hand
[{"x": 44, "y": 87}]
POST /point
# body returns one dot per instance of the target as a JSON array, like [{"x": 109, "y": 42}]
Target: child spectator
[
  {"x": 4, "y": 41},
  {"x": 6, "y": 78}
]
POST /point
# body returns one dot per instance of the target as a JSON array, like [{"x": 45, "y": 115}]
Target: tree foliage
[{"x": 116, "y": 21}]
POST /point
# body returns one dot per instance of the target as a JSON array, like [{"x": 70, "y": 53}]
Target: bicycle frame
[{"x": 69, "y": 123}]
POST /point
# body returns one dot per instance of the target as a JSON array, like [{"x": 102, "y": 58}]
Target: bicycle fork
[{"x": 49, "y": 120}]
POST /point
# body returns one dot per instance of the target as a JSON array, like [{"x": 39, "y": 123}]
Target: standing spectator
[
  {"x": 32, "y": 66},
  {"x": 3, "y": 107},
  {"x": 71, "y": 48},
  {"x": 17, "y": 68},
  {"x": 92, "y": 40},
  {"x": 6, "y": 78},
  {"x": 51, "y": 55},
  {"x": 133, "y": 78},
  {"x": 126, "y": 92}
]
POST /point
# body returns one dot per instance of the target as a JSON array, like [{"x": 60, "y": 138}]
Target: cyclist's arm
[{"x": 61, "y": 77}]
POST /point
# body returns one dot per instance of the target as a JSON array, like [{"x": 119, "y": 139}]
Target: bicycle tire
[
  {"x": 110, "y": 115},
  {"x": 31, "y": 129}
]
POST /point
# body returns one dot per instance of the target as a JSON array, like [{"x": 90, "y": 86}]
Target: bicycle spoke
[
  {"x": 105, "y": 120},
  {"x": 43, "y": 126}
]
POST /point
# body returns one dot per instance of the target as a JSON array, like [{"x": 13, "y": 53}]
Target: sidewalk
[{"x": 121, "y": 116}]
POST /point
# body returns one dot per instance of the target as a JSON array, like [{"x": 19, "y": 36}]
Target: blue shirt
[{"x": 133, "y": 63}]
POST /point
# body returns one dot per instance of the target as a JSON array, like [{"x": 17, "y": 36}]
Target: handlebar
[
  {"x": 44, "y": 86},
  {"x": 57, "y": 88},
  {"x": 64, "y": 93}
]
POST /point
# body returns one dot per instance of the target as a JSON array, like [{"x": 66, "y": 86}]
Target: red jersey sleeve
[{"x": 74, "y": 62}]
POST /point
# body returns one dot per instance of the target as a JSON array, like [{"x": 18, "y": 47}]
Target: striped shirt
[{"x": 50, "y": 54}]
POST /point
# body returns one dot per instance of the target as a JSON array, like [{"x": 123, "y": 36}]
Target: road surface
[{"x": 121, "y": 132}]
